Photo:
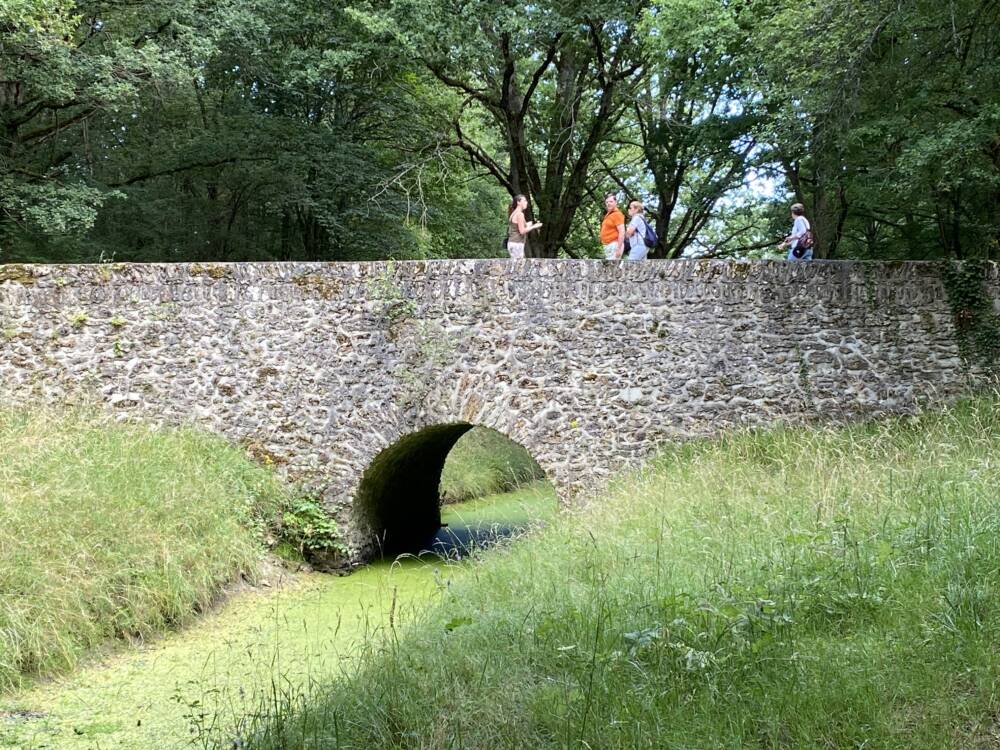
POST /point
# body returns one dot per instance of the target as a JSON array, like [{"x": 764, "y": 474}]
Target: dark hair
[
  {"x": 798, "y": 209},
  {"x": 610, "y": 195},
  {"x": 513, "y": 204}
]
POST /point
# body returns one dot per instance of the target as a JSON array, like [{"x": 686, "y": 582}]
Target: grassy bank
[
  {"x": 484, "y": 462},
  {"x": 115, "y": 532},
  {"x": 800, "y": 588},
  {"x": 205, "y": 677}
]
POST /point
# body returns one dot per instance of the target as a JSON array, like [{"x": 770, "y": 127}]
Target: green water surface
[{"x": 191, "y": 683}]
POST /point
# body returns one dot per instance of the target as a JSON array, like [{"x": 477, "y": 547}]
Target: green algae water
[{"x": 196, "y": 683}]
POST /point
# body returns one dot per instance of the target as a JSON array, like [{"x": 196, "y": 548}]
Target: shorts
[
  {"x": 516, "y": 250},
  {"x": 638, "y": 252},
  {"x": 611, "y": 251}
]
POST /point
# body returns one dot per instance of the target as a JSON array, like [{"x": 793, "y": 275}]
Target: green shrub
[
  {"x": 485, "y": 462},
  {"x": 112, "y": 531},
  {"x": 798, "y": 588},
  {"x": 310, "y": 532}
]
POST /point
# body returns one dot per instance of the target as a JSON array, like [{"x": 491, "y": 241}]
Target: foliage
[
  {"x": 399, "y": 128},
  {"x": 885, "y": 122},
  {"x": 276, "y": 133},
  {"x": 111, "y": 531},
  {"x": 800, "y": 587},
  {"x": 310, "y": 529},
  {"x": 977, "y": 323},
  {"x": 485, "y": 462},
  {"x": 547, "y": 83}
]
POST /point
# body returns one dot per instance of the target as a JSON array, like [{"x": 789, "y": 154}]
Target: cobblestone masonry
[{"x": 323, "y": 367}]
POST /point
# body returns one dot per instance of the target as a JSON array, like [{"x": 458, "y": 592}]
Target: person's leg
[{"x": 516, "y": 250}]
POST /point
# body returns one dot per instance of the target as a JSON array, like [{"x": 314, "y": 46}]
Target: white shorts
[
  {"x": 516, "y": 250},
  {"x": 611, "y": 251}
]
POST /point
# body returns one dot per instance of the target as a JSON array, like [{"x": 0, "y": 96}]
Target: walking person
[
  {"x": 800, "y": 241},
  {"x": 636, "y": 232},
  {"x": 612, "y": 229},
  {"x": 518, "y": 227}
]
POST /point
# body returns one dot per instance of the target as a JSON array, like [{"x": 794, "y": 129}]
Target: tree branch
[
  {"x": 479, "y": 155},
  {"x": 185, "y": 167}
]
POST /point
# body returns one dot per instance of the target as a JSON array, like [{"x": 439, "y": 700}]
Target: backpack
[
  {"x": 807, "y": 240},
  {"x": 649, "y": 236}
]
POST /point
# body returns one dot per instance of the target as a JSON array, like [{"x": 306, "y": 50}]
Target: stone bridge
[{"x": 357, "y": 378}]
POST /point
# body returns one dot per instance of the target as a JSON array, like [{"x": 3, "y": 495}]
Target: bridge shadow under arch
[{"x": 399, "y": 497}]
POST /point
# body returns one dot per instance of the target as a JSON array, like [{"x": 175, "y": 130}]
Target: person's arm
[
  {"x": 621, "y": 238},
  {"x": 788, "y": 240},
  {"x": 523, "y": 227}
]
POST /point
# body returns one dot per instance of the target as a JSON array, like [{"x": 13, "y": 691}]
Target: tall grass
[
  {"x": 485, "y": 462},
  {"x": 115, "y": 532},
  {"x": 801, "y": 588}
]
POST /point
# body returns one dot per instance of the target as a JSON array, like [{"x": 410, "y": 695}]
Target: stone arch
[{"x": 396, "y": 506}]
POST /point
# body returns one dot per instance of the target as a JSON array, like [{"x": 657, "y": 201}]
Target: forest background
[{"x": 183, "y": 130}]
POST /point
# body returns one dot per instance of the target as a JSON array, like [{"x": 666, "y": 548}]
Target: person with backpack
[
  {"x": 641, "y": 236},
  {"x": 800, "y": 241},
  {"x": 518, "y": 227}
]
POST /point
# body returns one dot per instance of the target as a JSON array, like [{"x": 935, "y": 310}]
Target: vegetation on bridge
[{"x": 795, "y": 588}]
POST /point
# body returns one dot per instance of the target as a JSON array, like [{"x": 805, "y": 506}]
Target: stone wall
[{"x": 321, "y": 368}]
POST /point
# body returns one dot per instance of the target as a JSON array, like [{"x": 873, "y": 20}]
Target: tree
[
  {"x": 696, "y": 117},
  {"x": 885, "y": 121},
  {"x": 552, "y": 79},
  {"x": 62, "y": 63}
]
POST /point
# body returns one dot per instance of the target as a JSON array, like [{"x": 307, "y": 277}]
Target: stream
[{"x": 285, "y": 635}]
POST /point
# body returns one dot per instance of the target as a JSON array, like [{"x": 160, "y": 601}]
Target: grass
[
  {"x": 800, "y": 588},
  {"x": 528, "y": 505},
  {"x": 112, "y": 532},
  {"x": 485, "y": 462},
  {"x": 204, "y": 678}
]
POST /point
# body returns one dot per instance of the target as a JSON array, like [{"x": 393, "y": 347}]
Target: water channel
[{"x": 163, "y": 694}]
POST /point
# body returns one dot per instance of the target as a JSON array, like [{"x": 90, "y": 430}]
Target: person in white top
[
  {"x": 798, "y": 244},
  {"x": 635, "y": 232}
]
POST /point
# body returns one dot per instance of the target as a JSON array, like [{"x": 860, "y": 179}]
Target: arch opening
[{"x": 400, "y": 497}]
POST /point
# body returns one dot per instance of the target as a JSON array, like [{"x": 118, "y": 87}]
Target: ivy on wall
[{"x": 977, "y": 324}]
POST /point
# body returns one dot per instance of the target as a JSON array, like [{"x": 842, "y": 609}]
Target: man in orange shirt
[{"x": 612, "y": 229}]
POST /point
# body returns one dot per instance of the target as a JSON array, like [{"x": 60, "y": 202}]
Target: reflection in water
[{"x": 454, "y": 542}]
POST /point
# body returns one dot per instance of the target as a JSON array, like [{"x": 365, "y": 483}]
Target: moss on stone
[
  {"x": 18, "y": 273},
  {"x": 323, "y": 287},
  {"x": 212, "y": 270}
]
